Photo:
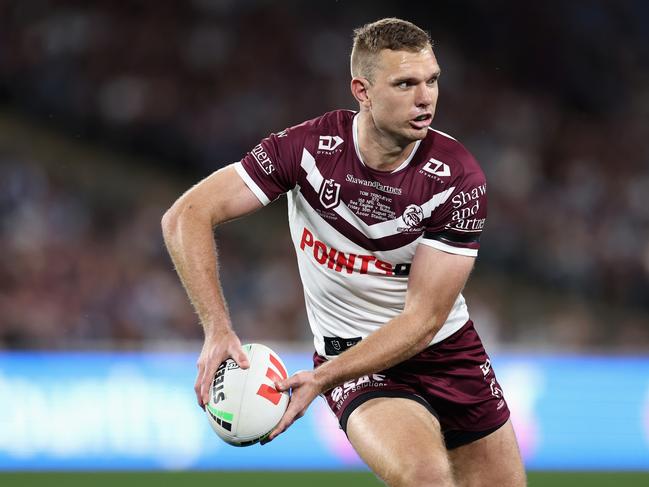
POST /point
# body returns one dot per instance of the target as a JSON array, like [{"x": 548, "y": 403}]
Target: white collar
[{"x": 358, "y": 150}]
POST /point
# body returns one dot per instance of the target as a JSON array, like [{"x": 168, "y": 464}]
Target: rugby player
[{"x": 385, "y": 214}]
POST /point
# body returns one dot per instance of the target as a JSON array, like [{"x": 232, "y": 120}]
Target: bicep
[
  {"x": 221, "y": 197},
  {"x": 436, "y": 279}
]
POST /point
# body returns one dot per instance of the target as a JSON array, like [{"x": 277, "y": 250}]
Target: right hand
[{"x": 217, "y": 348}]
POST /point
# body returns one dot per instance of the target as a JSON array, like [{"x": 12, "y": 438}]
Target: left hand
[{"x": 304, "y": 389}]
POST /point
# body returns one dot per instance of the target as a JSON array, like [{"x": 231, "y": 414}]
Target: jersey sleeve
[
  {"x": 271, "y": 167},
  {"x": 457, "y": 224}
]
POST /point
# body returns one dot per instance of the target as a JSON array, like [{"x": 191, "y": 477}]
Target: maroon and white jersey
[{"x": 356, "y": 229}]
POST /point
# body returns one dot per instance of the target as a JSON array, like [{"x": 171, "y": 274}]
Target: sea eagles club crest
[
  {"x": 329, "y": 194},
  {"x": 413, "y": 215}
]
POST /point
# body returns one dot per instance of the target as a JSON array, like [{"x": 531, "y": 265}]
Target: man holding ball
[{"x": 386, "y": 215}]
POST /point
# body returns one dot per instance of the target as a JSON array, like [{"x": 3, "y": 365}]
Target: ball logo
[
  {"x": 413, "y": 215},
  {"x": 221, "y": 418},
  {"x": 268, "y": 391}
]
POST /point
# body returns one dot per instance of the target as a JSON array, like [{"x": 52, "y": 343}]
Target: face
[{"x": 403, "y": 94}]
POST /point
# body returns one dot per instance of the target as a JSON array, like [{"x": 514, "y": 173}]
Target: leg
[
  {"x": 401, "y": 442},
  {"x": 489, "y": 461}
]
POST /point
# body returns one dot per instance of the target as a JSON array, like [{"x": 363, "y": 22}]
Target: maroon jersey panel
[{"x": 439, "y": 193}]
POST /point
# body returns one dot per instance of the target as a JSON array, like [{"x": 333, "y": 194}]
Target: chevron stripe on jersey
[{"x": 377, "y": 230}]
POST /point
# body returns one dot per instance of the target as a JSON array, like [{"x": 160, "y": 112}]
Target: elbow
[
  {"x": 169, "y": 223},
  {"x": 186, "y": 214},
  {"x": 172, "y": 220},
  {"x": 426, "y": 330}
]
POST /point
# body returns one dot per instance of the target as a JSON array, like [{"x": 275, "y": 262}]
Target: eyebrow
[{"x": 407, "y": 79}]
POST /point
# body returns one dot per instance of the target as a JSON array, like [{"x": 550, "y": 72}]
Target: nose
[{"x": 424, "y": 95}]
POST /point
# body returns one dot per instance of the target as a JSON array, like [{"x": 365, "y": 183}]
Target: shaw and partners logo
[
  {"x": 329, "y": 143},
  {"x": 336, "y": 260},
  {"x": 466, "y": 205},
  {"x": 350, "y": 178},
  {"x": 262, "y": 158}
]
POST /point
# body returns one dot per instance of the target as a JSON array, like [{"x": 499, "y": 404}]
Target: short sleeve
[
  {"x": 271, "y": 167},
  {"x": 455, "y": 227}
]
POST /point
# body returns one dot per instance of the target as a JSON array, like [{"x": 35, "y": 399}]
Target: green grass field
[{"x": 286, "y": 479}]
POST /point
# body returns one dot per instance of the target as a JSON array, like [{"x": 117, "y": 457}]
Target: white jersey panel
[{"x": 346, "y": 304}]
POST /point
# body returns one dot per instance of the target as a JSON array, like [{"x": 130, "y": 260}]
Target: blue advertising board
[{"x": 137, "y": 411}]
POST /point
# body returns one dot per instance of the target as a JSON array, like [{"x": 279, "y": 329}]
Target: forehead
[{"x": 406, "y": 63}]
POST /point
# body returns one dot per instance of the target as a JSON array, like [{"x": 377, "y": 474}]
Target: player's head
[{"x": 394, "y": 77}]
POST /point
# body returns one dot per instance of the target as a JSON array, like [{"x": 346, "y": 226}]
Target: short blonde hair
[{"x": 390, "y": 33}]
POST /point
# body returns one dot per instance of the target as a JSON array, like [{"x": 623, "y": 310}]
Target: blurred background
[{"x": 110, "y": 110}]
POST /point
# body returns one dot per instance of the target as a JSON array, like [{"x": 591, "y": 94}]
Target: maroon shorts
[{"x": 453, "y": 379}]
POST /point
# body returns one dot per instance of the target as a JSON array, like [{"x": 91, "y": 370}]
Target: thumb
[
  {"x": 286, "y": 384},
  {"x": 241, "y": 359}
]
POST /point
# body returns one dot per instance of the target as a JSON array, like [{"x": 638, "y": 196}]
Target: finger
[
  {"x": 206, "y": 384},
  {"x": 286, "y": 384},
  {"x": 241, "y": 359},
  {"x": 279, "y": 429},
  {"x": 287, "y": 420},
  {"x": 197, "y": 384},
  {"x": 281, "y": 426}
]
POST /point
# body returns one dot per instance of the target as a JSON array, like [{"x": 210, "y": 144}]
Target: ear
[{"x": 360, "y": 87}]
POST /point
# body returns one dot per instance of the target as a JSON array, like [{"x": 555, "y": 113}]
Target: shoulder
[
  {"x": 326, "y": 132},
  {"x": 334, "y": 122},
  {"x": 446, "y": 158}
]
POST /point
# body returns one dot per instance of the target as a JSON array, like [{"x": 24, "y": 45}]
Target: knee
[{"x": 423, "y": 474}]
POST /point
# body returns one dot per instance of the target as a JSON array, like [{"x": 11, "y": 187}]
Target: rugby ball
[{"x": 244, "y": 405}]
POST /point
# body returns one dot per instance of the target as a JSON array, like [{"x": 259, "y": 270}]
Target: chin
[{"x": 416, "y": 134}]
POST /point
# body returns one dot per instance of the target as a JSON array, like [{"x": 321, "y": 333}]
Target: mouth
[{"x": 422, "y": 121}]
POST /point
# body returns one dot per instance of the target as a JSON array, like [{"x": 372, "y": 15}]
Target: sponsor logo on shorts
[
  {"x": 262, "y": 158},
  {"x": 340, "y": 393},
  {"x": 486, "y": 367},
  {"x": 496, "y": 391}
]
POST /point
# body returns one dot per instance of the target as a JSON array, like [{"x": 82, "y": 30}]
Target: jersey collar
[{"x": 358, "y": 151}]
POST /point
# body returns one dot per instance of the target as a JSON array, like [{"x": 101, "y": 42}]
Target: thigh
[
  {"x": 489, "y": 461},
  {"x": 401, "y": 442}
]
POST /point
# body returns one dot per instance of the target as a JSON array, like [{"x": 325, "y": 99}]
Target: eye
[
  {"x": 403, "y": 85},
  {"x": 433, "y": 80}
]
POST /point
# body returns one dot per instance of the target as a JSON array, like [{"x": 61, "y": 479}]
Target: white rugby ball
[{"x": 244, "y": 405}]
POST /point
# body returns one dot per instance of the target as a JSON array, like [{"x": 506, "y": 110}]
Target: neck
[{"x": 380, "y": 150}]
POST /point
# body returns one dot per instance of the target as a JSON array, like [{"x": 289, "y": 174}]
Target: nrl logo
[{"x": 329, "y": 194}]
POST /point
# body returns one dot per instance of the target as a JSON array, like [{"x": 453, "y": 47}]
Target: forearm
[
  {"x": 399, "y": 339},
  {"x": 189, "y": 238}
]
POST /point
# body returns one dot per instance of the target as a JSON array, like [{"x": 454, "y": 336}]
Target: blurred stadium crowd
[{"x": 555, "y": 106}]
